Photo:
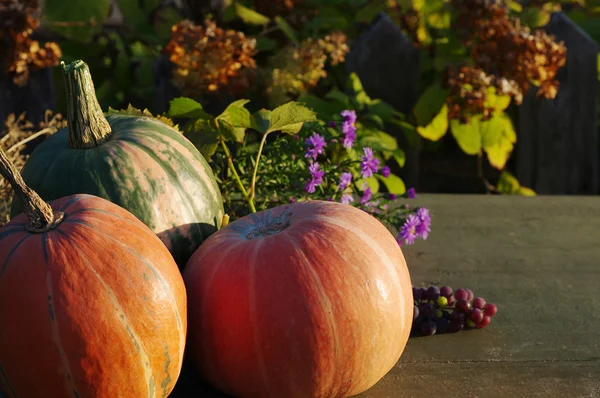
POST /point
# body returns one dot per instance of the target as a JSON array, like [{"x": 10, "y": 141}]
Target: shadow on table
[{"x": 191, "y": 385}]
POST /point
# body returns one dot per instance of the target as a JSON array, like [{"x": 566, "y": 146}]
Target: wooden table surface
[{"x": 538, "y": 259}]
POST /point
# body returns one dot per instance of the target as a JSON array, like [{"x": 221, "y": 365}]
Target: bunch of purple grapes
[{"x": 442, "y": 310}]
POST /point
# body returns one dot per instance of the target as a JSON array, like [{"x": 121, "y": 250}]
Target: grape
[
  {"x": 478, "y": 302},
  {"x": 476, "y": 315},
  {"x": 442, "y": 302},
  {"x": 451, "y": 301},
  {"x": 470, "y": 323},
  {"x": 433, "y": 293},
  {"x": 417, "y": 293},
  {"x": 415, "y": 313},
  {"x": 490, "y": 309},
  {"x": 455, "y": 327},
  {"x": 428, "y": 328},
  {"x": 462, "y": 305},
  {"x": 470, "y": 293},
  {"x": 442, "y": 325},
  {"x": 484, "y": 322},
  {"x": 461, "y": 294},
  {"x": 439, "y": 314},
  {"x": 457, "y": 317},
  {"x": 446, "y": 291},
  {"x": 427, "y": 310}
]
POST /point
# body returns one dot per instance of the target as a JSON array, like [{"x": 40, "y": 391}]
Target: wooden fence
[{"x": 558, "y": 146}]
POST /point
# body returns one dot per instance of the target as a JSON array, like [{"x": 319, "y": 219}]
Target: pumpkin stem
[
  {"x": 88, "y": 127},
  {"x": 40, "y": 214}
]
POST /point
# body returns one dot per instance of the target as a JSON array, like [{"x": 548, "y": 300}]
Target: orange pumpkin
[
  {"x": 306, "y": 300},
  {"x": 92, "y": 303}
]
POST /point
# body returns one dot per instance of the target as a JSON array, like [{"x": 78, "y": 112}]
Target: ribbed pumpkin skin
[
  {"x": 322, "y": 308},
  {"x": 145, "y": 167},
  {"x": 93, "y": 308}
]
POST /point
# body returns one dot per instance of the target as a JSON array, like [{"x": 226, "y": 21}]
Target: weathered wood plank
[
  {"x": 558, "y": 150},
  {"x": 34, "y": 98}
]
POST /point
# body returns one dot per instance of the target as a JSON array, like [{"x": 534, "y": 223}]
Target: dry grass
[{"x": 16, "y": 132}]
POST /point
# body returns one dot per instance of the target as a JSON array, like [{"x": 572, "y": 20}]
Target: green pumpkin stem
[
  {"x": 40, "y": 214},
  {"x": 88, "y": 127}
]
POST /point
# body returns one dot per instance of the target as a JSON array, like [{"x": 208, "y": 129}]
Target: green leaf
[
  {"x": 535, "y": 17},
  {"x": 325, "y": 109},
  {"x": 382, "y": 109},
  {"x": 337, "y": 95},
  {"x": 399, "y": 156},
  {"x": 287, "y": 29},
  {"x": 138, "y": 15},
  {"x": 393, "y": 183},
  {"x": 203, "y": 136},
  {"x": 237, "y": 115},
  {"x": 264, "y": 44},
  {"x": 499, "y": 147},
  {"x": 467, "y": 135},
  {"x": 369, "y": 12},
  {"x": 187, "y": 108},
  {"x": 524, "y": 191},
  {"x": 326, "y": 23},
  {"x": 498, "y": 102},
  {"x": 430, "y": 103},
  {"x": 378, "y": 140},
  {"x": 440, "y": 19},
  {"x": 164, "y": 18},
  {"x": 370, "y": 182},
  {"x": 93, "y": 14},
  {"x": 289, "y": 118},
  {"x": 261, "y": 121},
  {"x": 492, "y": 131},
  {"x": 507, "y": 183},
  {"x": 354, "y": 84},
  {"x": 230, "y": 132},
  {"x": 437, "y": 128},
  {"x": 250, "y": 16}
]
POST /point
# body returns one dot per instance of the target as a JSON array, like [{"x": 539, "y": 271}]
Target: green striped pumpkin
[{"x": 138, "y": 163}]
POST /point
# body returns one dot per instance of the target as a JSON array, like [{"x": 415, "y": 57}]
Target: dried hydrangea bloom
[
  {"x": 297, "y": 69},
  {"x": 19, "y": 53},
  {"x": 506, "y": 55},
  {"x": 208, "y": 58}
]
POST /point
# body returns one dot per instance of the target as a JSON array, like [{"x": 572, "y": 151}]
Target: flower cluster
[
  {"x": 19, "y": 53},
  {"x": 342, "y": 182},
  {"x": 297, "y": 69},
  {"x": 207, "y": 58},
  {"x": 506, "y": 55}
]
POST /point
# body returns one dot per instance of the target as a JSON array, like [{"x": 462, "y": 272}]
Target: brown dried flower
[
  {"x": 208, "y": 58},
  {"x": 19, "y": 53},
  {"x": 505, "y": 54}
]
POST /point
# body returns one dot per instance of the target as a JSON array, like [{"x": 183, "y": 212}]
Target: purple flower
[
  {"x": 345, "y": 180},
  {"x": 408, "y": 231},
  {"x": 333, "y": 124},
  {"x": 392, "y": 196},
  {"x": 385, "y": 171},
  {"x": 316, "y": 177},
  {"x": 349, "y": 115},
  {"x": 292, "y": 199},
  {"x": 346, "y": 199},
  {"x": 368, "y": 164},
  {"x": 318, "y": 143},
  {"x": 349, "y": 128},
  {"x": 424, "y": 227},
  {"x": 367, "y": 196},
  {"x": 411, "y": 193}
]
